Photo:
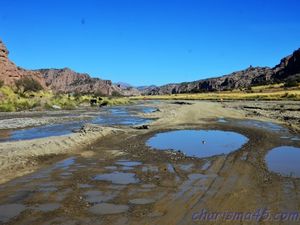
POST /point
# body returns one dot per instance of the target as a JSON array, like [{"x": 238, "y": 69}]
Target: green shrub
[
  {"x": 28, "y": 84},
  {"x": 291, "y": 83},
  {"x": 68, "y": 105},
  {"x": 7, "y": 107}
]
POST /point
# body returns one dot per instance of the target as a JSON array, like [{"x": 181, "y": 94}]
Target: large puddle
[
  {"x": 118, "y": 115},
  {"x": 284, "y": 160},
  {"x": 199, "y": 143}
]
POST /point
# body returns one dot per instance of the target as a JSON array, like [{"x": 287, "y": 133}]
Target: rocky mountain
[
  {"x": 59, "y": 80},
  {"x": 68, "y": 81},
  {"x": 287, "y": 69},
  {"x": 9, "y": 72},
  {"x": 127, "y": 89}
]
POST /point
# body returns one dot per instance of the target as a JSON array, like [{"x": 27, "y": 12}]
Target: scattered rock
[
  {"x": 56, "y": 107},
  {"x": 88, "y": 128},
  {"x": 142, "y": 127},
  {"x": 182, "y": 103}
]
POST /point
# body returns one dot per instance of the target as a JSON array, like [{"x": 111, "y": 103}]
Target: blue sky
[{"x": 145, "y": 42}]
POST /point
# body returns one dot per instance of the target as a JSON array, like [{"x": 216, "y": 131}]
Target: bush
[
  {"x": 116, "y": 94},
  {"x": 68, "y": 105},
  {"x": 291, "y": 83},
  {"x": 7, "y": 107},
  {"x": 28, "y": 84},
  {"x": 1, "y": 83}
]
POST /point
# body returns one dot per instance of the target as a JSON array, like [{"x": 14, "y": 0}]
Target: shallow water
[
  {"x": 94, "y": 196},
  {"x": 264, "y": 125},
  {"x": 108, "y": 208},
  {"x": 118, "y": 115},
  {"x": 141, "y": 201},
  {"x": 118, "y": 178},
  {"x": 9, "y": 211},
  {"x": 284, "y": 160},
  {"x": 128, "y": 163},
  {"x": 199, "y": 143}
]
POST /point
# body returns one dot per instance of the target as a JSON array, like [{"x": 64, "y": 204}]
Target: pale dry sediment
[{"x": 19, "y": 157}]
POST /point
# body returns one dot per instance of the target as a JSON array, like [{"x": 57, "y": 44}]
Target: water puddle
[
  {"x": 128, "y": 163},
  {"x": 284, "y": 160},
  {"x": 126, "y": 168},
  {"x": 186, "y": 167},
  {"x": 141, "y": 201},
  {"x": 170, "y": 168},
  {"x": 48, "y": 207},
  {"x": 263, "y": 125},
  {"x": 106, "y": 208},
  {"x": 206, "y": 165},
  {"x": 98, "y": 196},
  {"x": 199, "y": 143},
  {"x": 150, "y": 169},
  {"x": 118, "y": 178},
  {"x": 110, "y": 167},
  {"x": 85, "y": 185},
  {"x": 9, "y": 211},
  {"x": 65, "y": 164}
]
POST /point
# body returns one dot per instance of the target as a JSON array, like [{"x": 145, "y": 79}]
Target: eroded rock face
[
  {"x": 68, "y": 81},
  {"x": 9, "y": 72},
  {"x": 239, "y": 79},
  {"x": 289, "y": 67},
  {"x": 59, "y": 80}
]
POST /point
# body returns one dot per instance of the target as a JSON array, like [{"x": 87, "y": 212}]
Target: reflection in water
[
  {"x": 118, "y": 178},
  {"x": 284, "y": 160},
  {"x": 200, "y": 143},
  {"x": 107, "y": 208},
  {"x": 9, "y": 211}
]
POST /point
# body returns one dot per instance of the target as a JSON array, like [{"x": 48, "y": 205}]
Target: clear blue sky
[{"x": 145, "y": 42}]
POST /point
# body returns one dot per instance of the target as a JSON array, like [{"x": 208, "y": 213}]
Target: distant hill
[{"x": 287, "y": 69}]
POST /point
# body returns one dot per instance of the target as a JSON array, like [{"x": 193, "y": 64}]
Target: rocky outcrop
[
  {"x": 287, "y": 69},
  {"x": 9, "y": 72},
  {"x": 59, "y": 80},
  {"x": 68, "y": 81}
]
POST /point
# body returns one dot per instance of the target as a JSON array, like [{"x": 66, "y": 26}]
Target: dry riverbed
[{"x": 109, "y": 175}]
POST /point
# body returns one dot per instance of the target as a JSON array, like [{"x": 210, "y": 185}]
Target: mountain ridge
[
  {"x": 62, "y": 80},
  {"x": 66, "y": 80},
  {"x": 288, "y": 68}
]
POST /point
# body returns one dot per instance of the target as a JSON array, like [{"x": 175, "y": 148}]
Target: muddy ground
[{"x": 117, "y": 179}]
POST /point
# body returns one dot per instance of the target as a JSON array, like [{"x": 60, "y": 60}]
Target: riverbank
[{"x": 22, "y": 157}]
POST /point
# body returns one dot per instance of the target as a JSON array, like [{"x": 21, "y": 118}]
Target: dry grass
[
  {"x": 11, "y": 101},
  {"x": 293, "y": 94}
]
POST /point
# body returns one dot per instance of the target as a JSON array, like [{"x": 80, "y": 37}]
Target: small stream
[{"x": 109, "y": 116}]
